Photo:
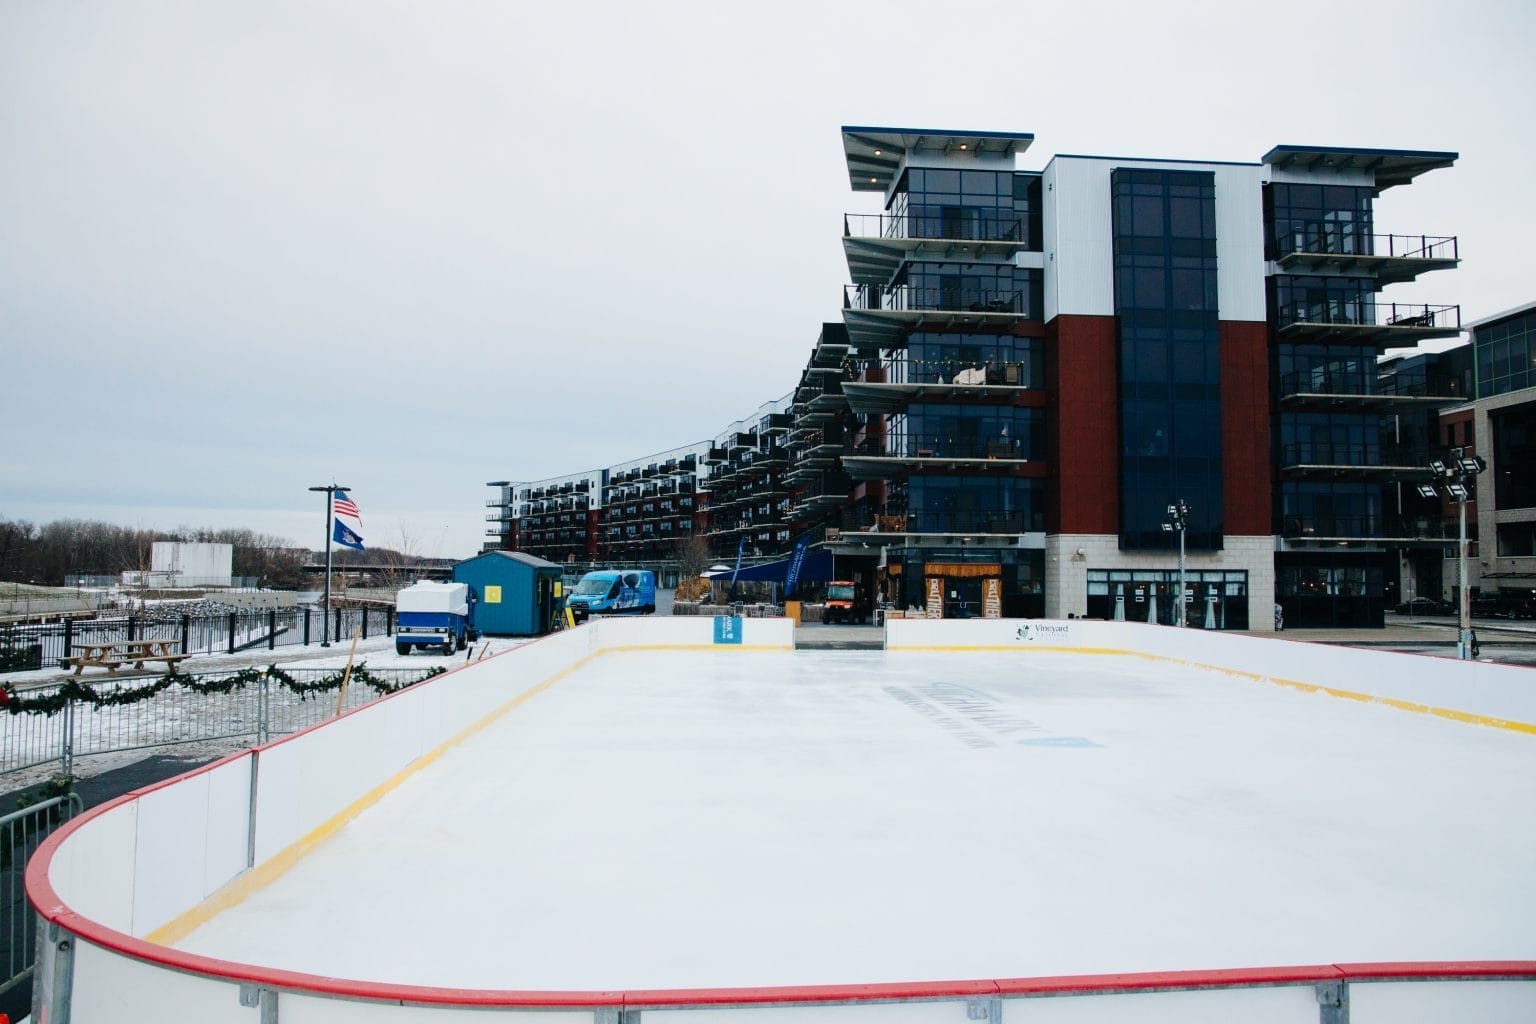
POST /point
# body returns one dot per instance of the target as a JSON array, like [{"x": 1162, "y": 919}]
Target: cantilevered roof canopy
[
  {"x": 874, "y": 153},
  {"x": 1390, "y": 166}
]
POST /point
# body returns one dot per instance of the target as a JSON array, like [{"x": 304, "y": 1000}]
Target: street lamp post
[
  {"x": 1453, "y": 474},
  {"x": 330, "y": 505},
  {"x": 1178, "y": 520}
]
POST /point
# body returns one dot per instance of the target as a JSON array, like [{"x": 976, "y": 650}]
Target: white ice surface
[{"x": 683, "y": 820}]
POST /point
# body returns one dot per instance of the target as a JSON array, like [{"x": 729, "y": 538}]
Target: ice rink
[{"x": 675, "y": 820}]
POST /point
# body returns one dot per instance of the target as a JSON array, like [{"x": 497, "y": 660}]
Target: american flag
[{"x": 345, "y": 506}]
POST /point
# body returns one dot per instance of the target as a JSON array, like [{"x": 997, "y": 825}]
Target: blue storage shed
[{"x": 513, "y": 592}]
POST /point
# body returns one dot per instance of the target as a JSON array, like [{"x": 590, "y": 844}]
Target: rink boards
[{"x": 970, "y": 807}]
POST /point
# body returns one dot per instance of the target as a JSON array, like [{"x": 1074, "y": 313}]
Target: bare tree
[{"x": 692, "y": 559}]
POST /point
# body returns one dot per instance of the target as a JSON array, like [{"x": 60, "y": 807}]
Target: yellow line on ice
[
  {"x": 1452, "y": 714},
  {"x": 270, "y": 870}
]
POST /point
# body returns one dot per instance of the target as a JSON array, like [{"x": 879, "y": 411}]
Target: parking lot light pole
[
  {"x": 1454, "y": 474},
  {"x": 1178, "y": 520},
  {"x": 330, "y": 505}
]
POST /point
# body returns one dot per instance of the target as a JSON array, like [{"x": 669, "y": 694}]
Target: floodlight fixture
[
  {"x": 1472, "y": 465},
  {"x": 1427, "y": 490},
  {"x": 1457, "y": 491},
  {"x": 1438, "y": 467}
]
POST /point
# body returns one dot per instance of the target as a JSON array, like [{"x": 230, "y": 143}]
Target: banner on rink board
[{"x": 727, "y": 629}]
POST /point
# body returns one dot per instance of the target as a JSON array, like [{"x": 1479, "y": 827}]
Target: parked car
[{"x": 1426, "y": 606}]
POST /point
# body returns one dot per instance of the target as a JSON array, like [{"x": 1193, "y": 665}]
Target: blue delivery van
[{"x": 612, "y": 592}]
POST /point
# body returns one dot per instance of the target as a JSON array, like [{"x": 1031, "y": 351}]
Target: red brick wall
[
  {"x": 1083, "y": 424},
  {"x": 1245, "y": 456}
]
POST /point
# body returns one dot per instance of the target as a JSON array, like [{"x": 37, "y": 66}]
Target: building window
[
  {"x": 1516, "y": 540},
  {"x": 1514, "y": 453},
  {"x": 1170, "y": 378},
  {"x": 1317, "y": 219},
  {"x": 1506, "y": 355}
]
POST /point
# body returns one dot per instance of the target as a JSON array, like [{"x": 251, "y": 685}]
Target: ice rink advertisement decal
[
  {"x": 1048, "y": 633},
  {"x": 727, "y": 629}
]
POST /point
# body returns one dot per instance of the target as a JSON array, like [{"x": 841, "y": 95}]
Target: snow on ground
[
  {"x": 677, "y": 820},
  {"x": 178, "y": 714}
]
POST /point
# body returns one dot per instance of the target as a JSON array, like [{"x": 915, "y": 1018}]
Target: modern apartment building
[
  {"x": 1500, "y": 426},
  {"x": 1035, "y": 366}
]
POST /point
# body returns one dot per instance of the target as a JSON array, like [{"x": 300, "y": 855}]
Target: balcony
[
  {"x": 1339, "y": 529},
  {"x": 877, "y": 244},
  {"x": 1386, "y": 324},
  {"x": 895, "y": 525},
  {"x": 940, "y": 380},
  {"x": 878, "y": 318},
  {"x": 1345, "y": 390},
  {"x": 877, "y": 460},
  {"x": 1324, "y": 460},
  {"x": 1391, "y": 259}
]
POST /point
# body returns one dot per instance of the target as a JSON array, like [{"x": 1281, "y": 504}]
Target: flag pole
[{"x": 330, "y": 502}]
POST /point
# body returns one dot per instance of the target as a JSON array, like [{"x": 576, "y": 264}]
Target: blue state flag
[{"x": 346, "y": 536}]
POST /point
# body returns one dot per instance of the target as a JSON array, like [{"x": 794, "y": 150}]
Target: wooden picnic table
[{"x": 115, "y": 653}]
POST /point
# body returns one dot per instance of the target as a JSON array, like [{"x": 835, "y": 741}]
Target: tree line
[{"x": 46, "y": 554}]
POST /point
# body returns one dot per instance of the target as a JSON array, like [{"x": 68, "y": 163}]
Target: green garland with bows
[{"x": 52, "y": 703}]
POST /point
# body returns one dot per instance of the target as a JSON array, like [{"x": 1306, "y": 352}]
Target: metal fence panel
[
  {"x": 21, "y": 832},
  {"x": 178, "y": 714},
  {"x": 33, "y": 646}
]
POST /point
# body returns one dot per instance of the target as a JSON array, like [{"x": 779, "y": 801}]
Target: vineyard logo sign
[{"x": 1047, "y": 631}]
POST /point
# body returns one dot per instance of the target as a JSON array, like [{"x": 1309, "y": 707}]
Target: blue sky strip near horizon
[{"x": 411, "y": 248}]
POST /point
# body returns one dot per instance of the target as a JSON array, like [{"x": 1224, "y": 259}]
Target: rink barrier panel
[
  {"x": 125, "y": 868},
  {"x": 1473, "y": 692}
]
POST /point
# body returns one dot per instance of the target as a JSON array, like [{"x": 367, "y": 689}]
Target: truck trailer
[{"x": 437, "y": 615}]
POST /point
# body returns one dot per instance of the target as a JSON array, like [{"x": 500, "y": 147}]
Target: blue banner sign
[{"x": 727, "y": 629}]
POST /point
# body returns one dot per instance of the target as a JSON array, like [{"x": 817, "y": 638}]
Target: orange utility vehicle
[{"x": 842, "y": 603}]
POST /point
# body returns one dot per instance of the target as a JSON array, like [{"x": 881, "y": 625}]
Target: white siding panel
[
  {"x": 1080, "y": 252},
  {"x": 1240, "y": 242},
  {"x": 1079, "y": 232}
]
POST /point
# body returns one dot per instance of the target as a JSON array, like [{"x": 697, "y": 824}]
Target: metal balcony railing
[
  {"x": 942, "y": 521},
  {"x": 938, "y": 446},
  {"x": 962, "y": 298},
  {"x": 1357, "y": 313},
  {"x": 1366, "y": 527},
  {"x": 1352, "y": 453},
  {"x": 1024, "y": 374},
  {"x": 1396, "y": 385},
  {"x": 967, "y": 224},
  {"x": 1322, "y": 239}
]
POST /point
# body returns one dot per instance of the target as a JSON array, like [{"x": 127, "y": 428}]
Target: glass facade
[
  {"x": 1316, "y": 589},
  {"x": 1331, "y": 509},
  {"x": 1317, "y": 219},
  {"x": 978, "y": 504},
  {"x": 932, "y": 358},
  {"x": 1170, "y": 377},
  {"x": 968, "y": 287},
  {"x": 1323, "y": 300},
  {"x": 1514, "y": 456},
  {"x": 1506, "y": 355},
  {"x": 935, "y": 430},
  {"x": 1215, "y": 598},
  {"x": 967, "y": 204}
]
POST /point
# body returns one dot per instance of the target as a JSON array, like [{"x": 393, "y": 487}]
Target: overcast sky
[{"x": 250, "y": 248}]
